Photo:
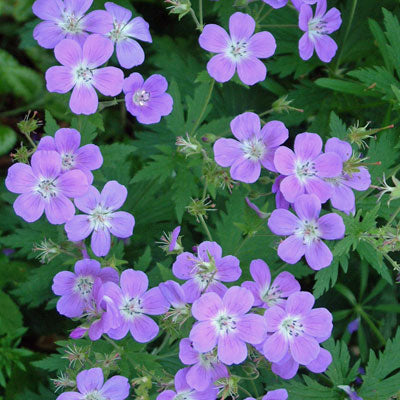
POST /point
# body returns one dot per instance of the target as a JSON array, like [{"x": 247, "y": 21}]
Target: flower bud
[{"x": 180, "y": 7}]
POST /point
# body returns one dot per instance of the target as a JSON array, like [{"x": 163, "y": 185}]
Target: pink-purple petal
[
  {"x": 101, "y": 242},
  {"x": 245, "y": 170},
  {"x": 59, "y": 209},
  {"x": 300, "y": 303},
  {"x": 207, "y": 306},
  {"x": 73, "y": 183},
  {"x": 307, "y": 207},
  {"x": 63, "y": 283},
  {"x": 154, "y": 303},
  {"x": 251, "y": 328},
  {"x": 241, "y": 26},
  {"x": 318, "y": 255},
  {"x": 221, "y": 68},
  {"x": 113, "y": 195},
  {"x": 139, "y": 29},
  {"x": 331, "y": 226},
  {"x": 231, "y": 350},
  {"x": 284, "y": 160},
  {"x": 97, "y": 50},
  {"x": 306, "y": 47},
  {"x": 48, "y": 10},
  {"x": 20, "y": 178},
  {"x": 59, "y": 79},
  {"x": 203, "y": 336},
  {"x": 48, "y": 34},
  {"x": 328, "y": 165},
  {"x": 325, "y": 48},
  {"x": 116, "y": 388},
  {"x": 283, "y": 222},
  {"x": 89, "y": 380},
  {"x": 307, "y": 146},
  {"x": 98, "y": 21},
  {"x": 291, "y": 249},
  {"x": 228, "y": 269},
  {"x": 108, "y": 80},
  {"x": 78, "y": 228},
  {"x": 238, "y": 300},
  {"x": 120, "y": 14},
  {"x": 83, "y": 100},
  {"x": 214, "y": 39},
  {"x": 226, "y": 151},
  {"x": 321, "y": 363},
  {"x": 315, "y": 185},
  {"x": 318, "y": 323},
  {"x": 134, "y": 283},
  {"x": 89, "y": 201},
  {"x": 262, "y": 45},
  {"x": 260, "y": 272},
  {"x": 143, "y": 329},
  {"x": 275, "y": 347},
  {"x": 129, "y": 53},
  {"x": 245, "y": 125},
  {"x": 304, "y": 349},
  {"x": 251, "y": 70},
  {"x": 122, "y": 224}
]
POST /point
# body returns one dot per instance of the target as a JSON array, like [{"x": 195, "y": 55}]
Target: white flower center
[
  {"x": 237, "y": 50},
  {"x": 186, "y": 395},
  {"x": 117, "y": 34},
  {"x": 316, "y": 27},
  {"x": 204, "y": 273},
  {"x": 83, "y": 74},
  {"x": 271, "y": 296},
  {"x": 46, "y": 188},
  {"x": 100, "y": 218},
  {"x": 224, "y": 323},
  {"x": 83, "y": 286},
  {"x": 292, "y": 327},
  {"x": 95, "y": 395},
  {"x": 308, "y": 231},
  {"x": 337, "y": 181},
  {"x": 253, "y": 149},
  {"x": 71, "y": 23},
  {"x": 131, "y": 308},
  {"x": 305, "y": 170},
  {"x": 67, "y": 161},
  {"x": 207, "y": 360},
  {"x": 141, "y": 97}
]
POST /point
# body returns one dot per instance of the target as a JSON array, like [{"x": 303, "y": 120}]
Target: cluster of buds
[
  {"x": 199, "y": 208},
  {"x": 142, "y": 387},
  {"x": 188, "y": 146},
  {"x": 47, "y": 250},
  {"x": 108, "y": 362},
  {"x": 359, "y": 134},
  {"x": 180, "y": 7}
]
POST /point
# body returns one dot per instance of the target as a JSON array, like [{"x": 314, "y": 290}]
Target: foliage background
[{"x": 360, "y": 85}]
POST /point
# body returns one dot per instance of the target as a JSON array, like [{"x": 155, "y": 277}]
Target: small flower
[
  {"x": 305, "y": 232},
  {"x": 254, "y": 147},
  {"x": 123, "y": 33},
  {"x": 101, "y": 217},
  {"x": 147, "y": 100},
  {"x": 44, "y": 188},
  {"x": 205, "y": 271},
  {"x": 342, "y": 197},
  {"x": 91, "y": 386},
  {"x": 184, "y": 391},
  {"x": 225, "y": 323},
  {"x": 133, "y": 302},
  {"x": 171, "y": 242},
  {"x": 206, "y": 367},
  {"x": 240, "y": 51},
  {"x": 66, "y": 19},
  {"x": 317, "y": 28},
  {"x": 278, "y": 394},
  {"x": 75, "y": 288},
  {"x": 66, "y": 142},
  {"x": 79, "y": 70},
  {"x": 305, "y": 168},
  {"x": 296, "y": 328},
  {"x": 267, "y": 294},
  {"x": 353, "y": 325}
]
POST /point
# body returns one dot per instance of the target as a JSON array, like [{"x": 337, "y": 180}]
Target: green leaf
[
  {"x": 325, "y": 279},
  {"x": 343, "y": 86},
  {"x": 10, "y": 316},
  {"x": 393, "y": 33},
  {"x": 310, "y": 389},
  {"x": 51, "y": 125},
  {"x": 337, "y": 127},
  {"x": 8, "y": 138},
  {"x": 381, "y": 42},
  {"x": 54, "y": 362}
]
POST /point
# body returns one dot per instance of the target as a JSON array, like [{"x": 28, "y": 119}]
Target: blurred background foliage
[{"x": 361, "y": 85}]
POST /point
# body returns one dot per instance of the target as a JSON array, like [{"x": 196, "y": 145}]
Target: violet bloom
[
  {"x": 342, "y": 196},
  {"x": 66, "y": 142},
  {"x": 146, "y": 99},
  {"x": 254, "y": 147},
  {"x": 282, "y": 3},
  {"x": 280, "y": 200},
  {"x": 79, "y": 71},
  {"x": 102, "y": 218},
  {"x": 278, "y": 394},
  {"x": 317, "y": 28},
  {"x": 75, "y": 288},
  {"x": 267, "y": 294},
  {"x": 205, "y": 271},
  {"x": 239, "y": 51},
  {"x": 287, "y": 367},
  {"x": 175, "y": 296},
  {"x": 296, "y": 328},
  {"x": 206, "y": 368},
  {"x": 353, "y": 325},
  {"x": 123, "y": 32},
  {"x": 133, "y": 302},
  {"x": 171, "y": 242},
  {"x": 42, "y": 187},
  {"x": 305, "y": 232},
  {"x": 226, "y": 324},
  {"x": 305, "y": 168},
  {"x": 66, "y": 19},
  {"x": 184, "y": 391},
  {"x": 351, "y": 392},
  {"x": 91, "y": 386}
]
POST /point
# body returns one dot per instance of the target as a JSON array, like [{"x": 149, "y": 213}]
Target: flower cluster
[{"x": 83, "y": 43}]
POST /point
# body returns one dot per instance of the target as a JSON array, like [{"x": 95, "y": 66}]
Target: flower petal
[
  {"x": 20, "y": 178},
  {"x": 89, "y": 380},
  {"x": 275, "y": 347},
  {"x": 129, "y": 53},
  {"x": 245, "y": 170},
  {"x": 209, "y": 248},
  {"x": 282, "y": 222},
  {"x": 318, "y": 323},
  {"x": 305, "y": 15},
  {"x": 273, "y": 317},
  {"x": 328, "y": 165},
  {"x": 207, "y": 306},
  {"x": 203, "y": 336},
  {"x": 331, "y": 226},
  {"x": 291, "y": 249},
  {"x": 48, "y": 10},
  {"x": 300, "y": 303},
  {"x": 231, "y": 350},
  {"x": 63, "y": 283},
  {"x": 304, "y": 349},
  {"x": 78, "y": 228},
  {"x": 284, "y": 160},
  {"x": 68, "y": 53},
  {"x": 323, "y": 190},
  {"x": 326, "y": 48},
  {"x": 116, "y": 388},
  {"x": 59, "y": 209},
  {"x": 241, "y": 26},
  {"x": 340, "y": 147},
  {"x": 48, "y": 34},
  {"x": 238, "y": 300},
  {"x": 89, "y": 201},
  {"x": 120, "y": 14},
  {"x": 73, "y": 183},
  {"x": 108, "y": 80},
  {"x": 318, "y": 255},
  {"x": 259, "y": 271},
  {"x": 134, "y": 283},
  {"x": 251, "y": 328},
  {"x": 154, "y": 303},
  {"x": 214, "y": 39},
  {"x": 307, "y": 207},
  {"x": 113, "y": 195},
  {"x": 101, "y": 242},
  {"x": 221, "y": 68},
  {"x": 274, "y": 133},
  {"x": 262, "y": 45},
  {"x": 89, "y": 157},
  {"x": 97, "y": 50},
  {"x": 307, "y": 146},
  {"x": 98, "y": 21},
  {"x": 321, "y": 363},
  {"x": 306, "y": 47},
  {"x": 251, "y": 70},
  {"x": 122, "y": 224},
  {"x": 139, "y": 29},
  {"x": 143, "y": 329},
  {"x": 228, "y": 269},
  {"x": 83, "y": 100},
  {"x": 59, "y": 79},
  {"x": 226, "y": 151}
]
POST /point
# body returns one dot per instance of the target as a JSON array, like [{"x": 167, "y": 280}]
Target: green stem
[
  {"x": 163, "y": 344},
  {"x": 352, "y": 12},
  {"x": 248, "y": 237},
  {"x": 29, "y": 139},
  {"x": 393, "y": 217},
  {"x": 373, "y": 327},
  {"x": 116, "y": 347},
  {"x": 265, "y": 15},
  {"x": 201, "y": 13},
  {"x": 255, "y": 388},
  {"x": 203, "y": 110},
  {"x": 203, "y": 223},
  {"x": 205, "y": 190},
  {"x": 259, "y": 12},
  {"x": 196, "y": 21},
  {"x": 245, "y": 391}
]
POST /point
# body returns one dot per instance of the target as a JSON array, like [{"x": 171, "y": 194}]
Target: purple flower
[
  {"x": 305, "y": 168},
  {"x": 353, "y": 325},
  {"x": 267, "y": 294},
  {"x": 171, "y": 242},
  {"x": 90, "y": 384},
  {"x": 206, "y": 368},
  {"x": 287, "y": 368},
  {"x": 280, "y": 200},
  {"x": 101, "y": 218},
  {"x": 205, "y": 271},
  {"x": 79, "y": 71},
  {"x": 42, "y": 187},
  {"x": 133, "y": 302},
  {"x": 147, "y": 100},
  {"x": 226, "y": 324},
  {"x": 129, "y": 52},
  {"x": 305, "y": 232},
  {"x": 351, "y": 392},
  {"x": 184, "y": 391},
  {"x": 296, "y": 328},
  {"x": 65, "y": 19},
  {"x": 278, "y": 394},
  {"x": 240, "y": 51},
  {"x": 175, "y": 296},
  {"x": 342, "y": 196},
  {"x": 78, "y": 333},
  {"x": 254, "y": 148},
  {"x": 281, "y": 3},
  {"x": 66, "y": 142},
  {"x": 317, "y": 28},
  {"x": 75, "y": 289}
]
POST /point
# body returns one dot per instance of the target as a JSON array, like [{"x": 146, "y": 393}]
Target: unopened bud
[
  {"x": 359, "y": 134},
  {"x": 283, "y": 105},
  {"x": 180, "y": 7},
  {"x": 199, "y": 208},
  {"x": 47, "y": 250},
  {"x": 171, "y": 242},
  {"x": 188, "y": 146},
  {"x": 21, "y": 155},
  {"x": 29, "y": 124},
  {"x": 393, "y": 191}
]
